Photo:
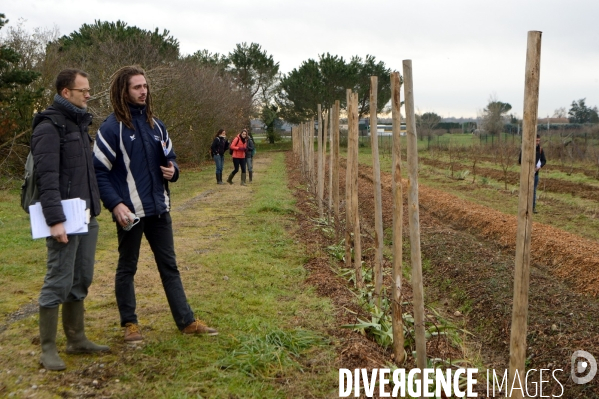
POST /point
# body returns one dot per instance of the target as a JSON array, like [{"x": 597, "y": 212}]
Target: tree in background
[
  {"x": 426, "y": 123},
  {"x": 367, "y": 68},
  {"x": 580, "y": 113},
  {"x": 194, "y": 98},
  {"x": 270, "y": 117},
  {"x": 18, "y": 96},
  {"x": 300, "y": 91},
  {"x": 326, "y": 80},
  {"x": 254, "y": 71},
  {"x": 494, "y": 116},
  {"x": 559, "y": 113},
  {"x": 205, "y": 57}
]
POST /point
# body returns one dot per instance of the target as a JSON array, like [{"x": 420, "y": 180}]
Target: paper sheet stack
[{"x": 74, "y": 210}]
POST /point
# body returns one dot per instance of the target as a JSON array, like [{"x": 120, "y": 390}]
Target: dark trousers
[
  {"x": 70, "y": 268},
  {"x": 534, "y": 197},
  {"x": 238, "y": 162},
  {"x": 159, "y": 233}
]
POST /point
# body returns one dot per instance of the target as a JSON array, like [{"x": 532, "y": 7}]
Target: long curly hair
[{"x": 119, "y": 95}]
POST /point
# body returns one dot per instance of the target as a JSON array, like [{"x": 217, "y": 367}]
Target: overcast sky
[{"x": 463, "y": 52}]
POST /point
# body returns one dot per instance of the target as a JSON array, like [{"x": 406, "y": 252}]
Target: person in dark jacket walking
[
  {"x": 540, "y": 161},
  {"x": 239, "y": 145},
  {"x": 249, "y": 156},
  {"x": 220, "y": 144},
  {"x": 65, "y": 170},
  {"x": 134, "y": 162}
]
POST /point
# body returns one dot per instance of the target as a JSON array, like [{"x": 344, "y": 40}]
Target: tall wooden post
[
  {"x": 325, "y": 138},
  {"x": 335, "y": 152},
  {"x": 348, "y": 190},
  {"x": 378, "y": 196},
  {"x": 353, "y": 133},
  {"x": 414, "y": 217},
  {"x": 313, "y": 163},
  {"x": 523, "y": 234},
  {"x": 396, "y": 312},
  {"x": 319, "y": 170},
  {"x": 331, "y": 159}
]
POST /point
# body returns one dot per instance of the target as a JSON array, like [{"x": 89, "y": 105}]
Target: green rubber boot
[
  {"x": 72, "y": 322},
  {"x": 230, "y": 179},
  {"x": 48, "y": 324}
]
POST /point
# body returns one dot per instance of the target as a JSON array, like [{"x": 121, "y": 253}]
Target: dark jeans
[
  {"x": 70, "y": 268},
  {"x": 219, "y": 160},
  {"x": 534, "y": 198},
  {"x": 159, "y": 233},
  {"x": 237, "y": 162}
]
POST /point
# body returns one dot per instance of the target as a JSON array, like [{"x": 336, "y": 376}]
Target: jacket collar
[{"x": 137, "y": 110}]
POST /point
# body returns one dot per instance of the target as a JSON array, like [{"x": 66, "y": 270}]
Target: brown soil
[
  {"x": 470, "y": 249},
  {"x": 581, "y": 190}
]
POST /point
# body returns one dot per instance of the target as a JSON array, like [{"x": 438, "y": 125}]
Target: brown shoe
[
  {"x": 132, "y": 333},
  {"x": 198, "y": 327}
]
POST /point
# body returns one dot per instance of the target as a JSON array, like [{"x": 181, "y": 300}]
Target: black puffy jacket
[{"x": 64, "y": 170}]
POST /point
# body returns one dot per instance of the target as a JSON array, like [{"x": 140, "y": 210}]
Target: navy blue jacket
[{"x": 127, "y": 164}]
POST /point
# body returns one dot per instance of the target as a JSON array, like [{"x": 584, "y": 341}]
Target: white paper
[
  {"x": 538, "y": 164},
  {"x": 74, "y": 210}
]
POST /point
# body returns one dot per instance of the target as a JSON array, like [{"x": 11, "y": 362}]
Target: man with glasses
[
  {"x": 134, "y": 162},
  {"x": 61, "y": 148}
]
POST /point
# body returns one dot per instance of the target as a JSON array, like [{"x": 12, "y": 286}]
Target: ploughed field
[{"x": 468, "y": 260}]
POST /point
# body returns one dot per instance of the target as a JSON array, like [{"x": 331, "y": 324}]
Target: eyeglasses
[{"x": 83, "y": 91}]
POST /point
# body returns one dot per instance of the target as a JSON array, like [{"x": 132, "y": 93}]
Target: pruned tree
[
  {"x": 475, "y": 155},
  {"x": 494, "y": 116},
  {"x": 560, "y": 112},
  {"x": 505, "y": 154},
  {"x": 426, "y": 123}
]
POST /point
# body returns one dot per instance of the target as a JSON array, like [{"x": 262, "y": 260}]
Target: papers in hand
[
  {"x": 74, "y": 210},
  {"x": 539, "y": 164}
]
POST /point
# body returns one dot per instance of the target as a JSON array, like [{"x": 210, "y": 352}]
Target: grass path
[{"x": 243, "y": 274}]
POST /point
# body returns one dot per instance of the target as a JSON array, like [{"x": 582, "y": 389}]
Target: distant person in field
[
  {"x": 239, "y": 146},
  {"x": 65, "y": 170},
  {"x": 540, "y": 161},
  {"x": 249, "y": 155},
  {"x": 134, "y": 162},
  {"x": 220, "y": 144}
]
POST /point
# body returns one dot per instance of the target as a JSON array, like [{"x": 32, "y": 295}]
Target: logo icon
[
  {"x": 588, "y": 365},
  {"x": 132, "y": 137}
]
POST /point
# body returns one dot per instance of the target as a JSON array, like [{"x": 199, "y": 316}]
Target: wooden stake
[
  {"x": 397, "y": 319},
  {"x": 414, "y": 217},
  {"x": 378, "y": 196},
  {"x": 348, "y": 190},
  {"x": 355, "y": 213},
  {"x": 331, "y": 164},
  {"x": 319, "y": 170},
  {"x": 523, "y": 234},
  {"x": 335, "y": 152}
]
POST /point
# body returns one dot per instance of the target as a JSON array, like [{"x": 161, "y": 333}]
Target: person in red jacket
[{"x": 239, "y": 145}]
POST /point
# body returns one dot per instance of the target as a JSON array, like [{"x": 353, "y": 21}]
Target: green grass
[{"x": 243, "y": 273}]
